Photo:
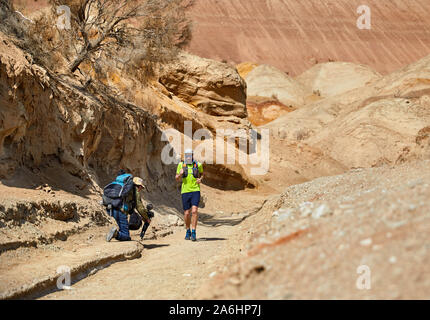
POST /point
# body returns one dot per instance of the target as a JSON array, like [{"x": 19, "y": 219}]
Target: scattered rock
[
  {"x": 366, "y": 242},
  {"x": 234, "y": 281},
  {"x": 322, "y": 211},
  {"x": 306, "y": 208},
  {"x": 283, "y": 214},
  {"x": 173, "y": 220}
]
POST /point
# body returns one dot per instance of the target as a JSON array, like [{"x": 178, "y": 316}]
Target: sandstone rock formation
[
  {"x": 294, "y": 35},
  {"x": 214, "y": 87},
  {"x": 382, "y": 123},
  {"x": 46, "y": 122}
]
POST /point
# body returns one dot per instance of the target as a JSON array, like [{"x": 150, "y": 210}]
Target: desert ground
[{"x": 340, "y": 211}]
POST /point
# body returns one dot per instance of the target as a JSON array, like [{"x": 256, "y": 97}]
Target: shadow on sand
[
  {"x": 211, "y": 239},
  {"x": 154, "y": 246},
  {"x": 210, "y": 220}
]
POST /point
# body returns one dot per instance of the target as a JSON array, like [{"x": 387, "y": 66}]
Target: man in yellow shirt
[{"x": 191, "y": 173}]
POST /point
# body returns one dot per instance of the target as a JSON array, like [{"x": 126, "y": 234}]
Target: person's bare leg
[
  {"x": 194, "y": 217},
  {"x": 187, "y": 218}
]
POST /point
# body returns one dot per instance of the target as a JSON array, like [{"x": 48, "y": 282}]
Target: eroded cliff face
[
  {"x": 51, "y": 125},
  {"x": 293, "y": 35}
]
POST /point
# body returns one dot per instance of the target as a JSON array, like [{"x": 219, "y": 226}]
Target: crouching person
[{"x": 133, "y": 201}]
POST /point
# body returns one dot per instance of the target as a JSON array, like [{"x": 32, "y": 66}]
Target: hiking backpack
[
  {"x": 196, "y": 172},
  {"x": 134, "y": 221},
  {"x": 116, "y": 192}
]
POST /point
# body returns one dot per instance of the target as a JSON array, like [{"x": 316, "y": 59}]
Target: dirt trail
[
  {"x": 170, "y": 268},
  {"x": 162, "y": 266}
]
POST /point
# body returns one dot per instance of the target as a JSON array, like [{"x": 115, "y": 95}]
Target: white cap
[{"x": 188, "y": 151}]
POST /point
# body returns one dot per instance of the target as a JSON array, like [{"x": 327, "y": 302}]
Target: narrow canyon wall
[{"x": 50, "y": 124}]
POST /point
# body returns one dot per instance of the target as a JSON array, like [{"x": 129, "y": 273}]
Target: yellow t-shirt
[{"x": 189, "y": 183}]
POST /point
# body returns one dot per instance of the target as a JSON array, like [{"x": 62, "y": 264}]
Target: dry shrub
[
  {"x": 38, "y": 37},
  {"x": 45, "y": 42},
  {"x": 149, "y": 103},
  {"x": 10, "y": 21},
  {"x": 135, "y": 36},
  {"x": 159, "y": 40},
  {"x": 302, "y": 134}
]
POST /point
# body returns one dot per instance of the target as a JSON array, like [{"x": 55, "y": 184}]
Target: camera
[
  {"x": 150, "y": 214},
  {"x": 149, "y": 207}
]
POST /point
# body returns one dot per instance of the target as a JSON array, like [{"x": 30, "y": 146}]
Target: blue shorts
[{"x": 190, "y": 199}]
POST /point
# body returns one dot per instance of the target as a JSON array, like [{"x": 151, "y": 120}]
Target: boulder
[{"x": 211, "y": 86}]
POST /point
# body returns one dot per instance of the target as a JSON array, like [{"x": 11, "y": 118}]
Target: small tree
[{"x": 116, "y": 28}]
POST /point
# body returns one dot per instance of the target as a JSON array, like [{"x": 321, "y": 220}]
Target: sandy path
[{"x": 170, "y": 268}]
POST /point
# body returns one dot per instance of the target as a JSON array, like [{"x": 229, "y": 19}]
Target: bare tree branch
[{"x": 141, "y": 31}]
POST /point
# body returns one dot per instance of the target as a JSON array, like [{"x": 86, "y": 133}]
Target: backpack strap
[
  {"x": 185, "y": 168},
  {"x": 196, "y": 172},
  {"x": 133, "y": 200}
]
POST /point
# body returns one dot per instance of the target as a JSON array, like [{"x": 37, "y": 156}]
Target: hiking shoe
[
  {"x": 193, "y": 235},
  {"x": 188, "y": 235},
  {"x": 111, "y": 234}
]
